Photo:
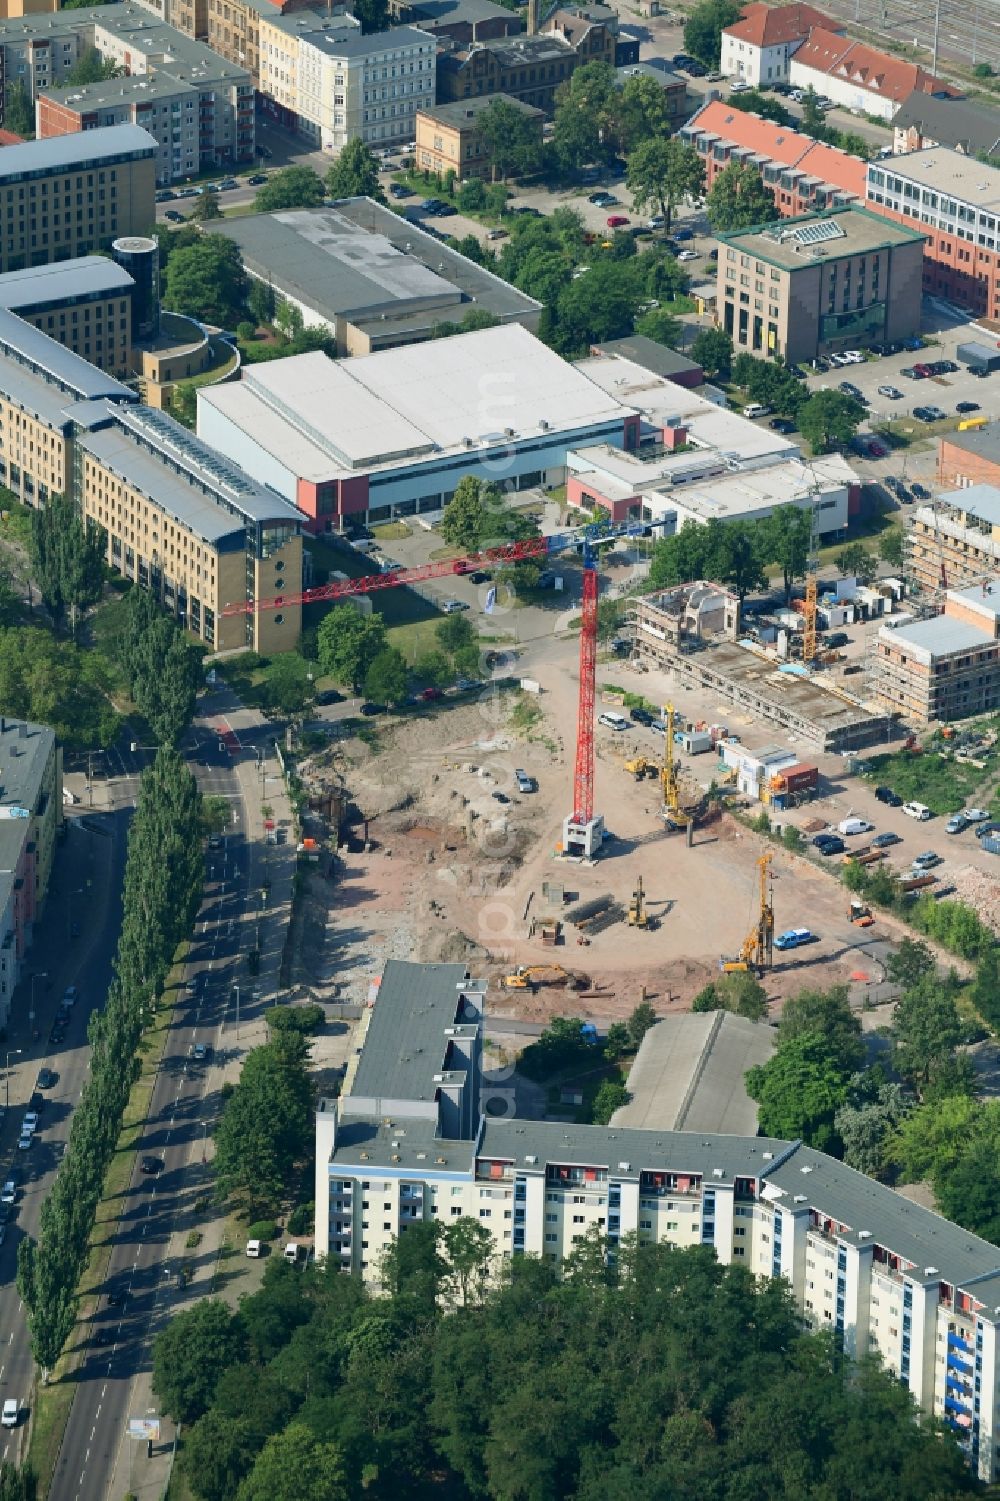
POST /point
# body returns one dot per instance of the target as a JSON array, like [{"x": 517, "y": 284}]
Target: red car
[
  {"x": 616, "y": 221},
  {"x": 924, "y": 371},
  {"x": 877, "y": 451}
]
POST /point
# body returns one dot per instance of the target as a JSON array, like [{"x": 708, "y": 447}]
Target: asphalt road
[
  {"x": 141, "y": 1287},
  {"x": 75, "y": 943}
]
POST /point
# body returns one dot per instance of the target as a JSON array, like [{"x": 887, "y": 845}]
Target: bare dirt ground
[{"x": 454, "y": 874}]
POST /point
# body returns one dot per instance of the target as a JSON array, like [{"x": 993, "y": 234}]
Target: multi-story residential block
[
  {"x": 332, "y": 84},
  {"x": 954, "y": 538},
  {"x": 591, "y": 30},
  {"x": 192, "y": 527},
  {"x": 180, "y": 519},
  {"x": 232, "y": 27},
  {"x": 198, "y": 106},
  {"x": 955, "y": 200},
  {"x": 70, "y": 196},
  {"x": 970, "y": 458},
  {"x": 923, "y": 120},
  {"x": 830, "y": 281},
  {"x": 759, "y": 46},
  {"x": 804, "y": 175},
  {"x": 37, "y": 51},
  {"x": 529, "y": 68},
  {"x": 14, "y": 10},
  {"x": 448, "y": 138},
  {"x": 30, "y": 819},
  {"x": 860, "y": 77},
  {"x": 946, "y": 667},
  {"x": 416, "y": 1136},
  {"x": 86, "y": 304}
]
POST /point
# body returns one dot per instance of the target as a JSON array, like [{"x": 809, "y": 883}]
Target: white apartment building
[
  {"x": 333, "y": 84},
  {"x": 760, "y": 45},
  {"x": 408, "y": 1140}
]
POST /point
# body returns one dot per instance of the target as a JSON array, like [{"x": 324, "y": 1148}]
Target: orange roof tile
[
  {"x": 790, "y": 148},
  {"x": 768, "y": 25},
  {"x": 889, "y": 77}
]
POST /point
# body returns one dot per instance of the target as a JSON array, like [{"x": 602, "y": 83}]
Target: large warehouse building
[
  {"x": 391, "y": 434},
  {"x": 371, "y": 278}
]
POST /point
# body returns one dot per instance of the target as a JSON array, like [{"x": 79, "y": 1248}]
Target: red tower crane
[
  {"x": 583, "y": 780},
  {"x": 587, "y": 539}
]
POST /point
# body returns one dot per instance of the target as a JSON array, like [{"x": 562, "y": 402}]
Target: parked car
[
  {"x": 849, "y": 389},
  {"x": 924, "y": 414},
  {"x": 617, "y": 221},
  {"x": 8, "y": 1194},
  {"x": 400, "y": 190},
  {"x": 956, "y": 824},
  {"x": 916, "y": 810},
  {"x": 912, "y": 372},
  {"x": 976, "y": 815},
  {"x": 150, "y": 1165},
  {"x": 927, "y": 860},
  {"x": 738, "y": 86},
  {"x": 892, "y": 393},
  {"x": 875, "y": 449},
  {"x": 836, "y": 639},
  {"x": 524, "y": 782},
  {"x": 228, "y": 184},
  {"x": 602, "y": 199},
  {"x": 687, "y": 255},
  {"x": 11, "y": 1412},
  {"x": 851, "y": 826},
  {"x": 783, "y": 425},
  {"x": 452, "y": 606},
  {"x": 829, "y": 844},
  {"x": 967, "y": 406},
  {"x": 613, "y": 720},
  {"x": 165, "y": 195},
  {"x": 920, "y": 492},
  {"x": 640, "y": 716},
  {"x": 173, "y": 217},
  {"x": 496, "y": 234},
  {"x": 257, "y": 180},
  {"x": 887, "y": 796},
  {"x": 794, "y": 938},
  {"x": 884, "y": 841},
  {"x": 46, "y": 1078},
  {"x": 683, "y": 234}
]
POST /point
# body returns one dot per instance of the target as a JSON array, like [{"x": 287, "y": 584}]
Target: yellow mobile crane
[{"x": 757, "y": 950}]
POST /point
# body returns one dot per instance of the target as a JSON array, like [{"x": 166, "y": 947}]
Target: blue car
[{"x": 794, "y": 938}]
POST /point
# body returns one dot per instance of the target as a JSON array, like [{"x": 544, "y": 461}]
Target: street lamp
[{"x": 11, "y": 1053}]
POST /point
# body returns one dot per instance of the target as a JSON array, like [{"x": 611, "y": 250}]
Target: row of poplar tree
[{"x": 163, "y": 876}]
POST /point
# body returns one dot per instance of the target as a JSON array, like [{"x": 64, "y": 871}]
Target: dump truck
[{"x": 860, "y": 915}]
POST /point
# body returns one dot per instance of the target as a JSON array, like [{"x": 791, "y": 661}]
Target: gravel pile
[{"x": 980, "y": 891}]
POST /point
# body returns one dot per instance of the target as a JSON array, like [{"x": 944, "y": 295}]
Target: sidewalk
[{"x": 259, "y": 783}]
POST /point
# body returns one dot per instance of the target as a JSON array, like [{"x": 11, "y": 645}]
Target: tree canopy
[
  {"x": 206, "y": 280},
  {"x": 704, "y": 27},
  {"x": 348, "y": 643},
  {"x": 511, "y": 140},
  {"x": 830, "y": 419},
  {"x": 664, "y": 1374},
  {"x": 738, "y": 198},
  {"x": 290, "y": 187},
  {"x": 661, "y": 173},
  {"x": 355, "y": 173}
]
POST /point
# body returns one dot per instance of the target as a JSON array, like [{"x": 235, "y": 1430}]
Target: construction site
[
  {"x": 694, "y": 632},
  {"x": 591, "y": 891}
]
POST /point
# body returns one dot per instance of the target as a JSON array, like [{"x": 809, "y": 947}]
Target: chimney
[{"x": 534, "y": 12}]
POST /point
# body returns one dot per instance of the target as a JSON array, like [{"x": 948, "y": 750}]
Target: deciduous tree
[
  {"x": 712, "y": 349},
  {"x": 385, "y": 680},
  {"x": 348, "y": 643},
  {"x": 207, "y": 281},
  {"x": 661, "y": 173},
  {"x": 355, "y": 173},
  {"x": 830, "y": 419},
  {"x": 704, "y": 27},
  {"x": 291, "y": 187},
  {"x": 191, "y": 1353},
  {"x": 738, "y": 198}
]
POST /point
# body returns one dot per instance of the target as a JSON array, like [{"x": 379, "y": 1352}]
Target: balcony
[
  {"x": 954, "y": 1363},
  {"x": 958, "y": 1342}
]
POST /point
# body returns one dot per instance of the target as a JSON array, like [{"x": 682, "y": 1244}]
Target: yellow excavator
[
  {"x": 640, "y": 767},
  {"x": 757, "y": 951},
  {"x": 528, "y": 977}
]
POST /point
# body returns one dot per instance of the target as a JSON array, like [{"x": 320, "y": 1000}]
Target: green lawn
[
  {"x": 416, "y": 639},
  {"x": 397, "y": 605},
  {"x": 941, "y": 782}
]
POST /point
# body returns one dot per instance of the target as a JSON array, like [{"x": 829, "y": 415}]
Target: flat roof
[
  {"x": 451, "y": 12},
  {"x": 357, "y": 44},
  {"x": 358, "y": 259},
  {"x": 826, "y": 711},
  {"x": 194, "y": 484},
  {"x": 170, "y": 50},
  {"x": 117, "y": 91},
  {"x": 323, "y": 417},
  {"x": 948, "y": 171},
  {"x": 984, "y": 442},
  {"x": 24, "y": 752},
  {"x": 815, "y": 239},
  {"x": 785, "y": 482},
  {"x": 411, "y": 1144},
  {"x": 461, "y": 111},
  {"x": 688, "y": 1074},
  {"x": 77, "y": 149},
  {"x": 982, "y": 598},
  {"x": 405, "y": 1044},
  {"x": 867, "y": 1210},
  {"x": 937, "y": 637},
  {"x": 61, "y": 281},
  {"x": 513, "y": 52},
  {"x": 646, "y": 352},
  {"x": 626, "y": 1153},
  {"x": 45, "y": 378}
]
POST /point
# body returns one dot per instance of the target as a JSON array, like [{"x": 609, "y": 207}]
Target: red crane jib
[
  {"x": 368, "y": 583},
  {"x": 583, "y": 781}
]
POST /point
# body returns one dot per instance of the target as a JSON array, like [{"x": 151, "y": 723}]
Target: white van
[
  {"x": 291, "y": 1252},
  {"x": 854, "y": 826},
  {"x": 254, "y": 1249},
  {"x": 755, "y": 410},
  {"x": 11, "y": 1412},
  {"x": 612, "y": 720},
  {"x": 917, "y": 810}
]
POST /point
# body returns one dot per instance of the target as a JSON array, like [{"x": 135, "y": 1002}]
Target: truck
[{"x": 979, "y": 356}]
